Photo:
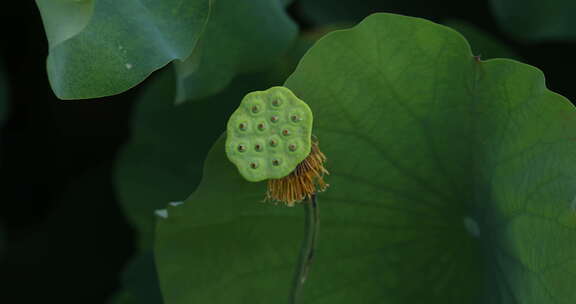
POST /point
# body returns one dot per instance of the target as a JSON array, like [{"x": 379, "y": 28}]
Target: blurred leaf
[
  {"x": 140, "y": 282},
  {"x": 284, "y": 67},
  {"x": 3, "y": 96},
  {"x": 76, "y": 245},
  {"x": 483, "y": 43},
  {"x": 241, "y": 36},
  {"x": 2, "y": 241},
  {"x": 3, "y": 114},
  {"x": 327, "y": 12},
  {"x": 123, "y": 297},
  {"x": 142, "y": 279},
  {"x": 537, "y": 20},
  {"x": 322, "y": 12},
  {"x": 451, "y": 179},
  {"x": 163, "y": 161},
  {"x": 104, "y": 47}
]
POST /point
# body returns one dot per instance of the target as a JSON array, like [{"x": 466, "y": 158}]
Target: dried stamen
[{"x": 306, "y": 180}]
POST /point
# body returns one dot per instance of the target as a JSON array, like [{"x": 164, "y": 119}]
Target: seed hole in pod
[
  {"x": 273, "y": 142},
  {"x": 241, "y": 148},
  {"x": 285, "y": 132},
  {"x": 276, "y": 162},
  {"x": 261, "y": 126},
  {"x": 243, "y": 126},
  {"x": 292, "y": 147},
  {"x": 295, "y": 118},
  {"x": 255, "y": 109},
  {"x": 253, "y": 165},
  {"x": 274, "y": 118},
  {"x": 258, "y": 147},
  {"x": 276, "y": 102}
]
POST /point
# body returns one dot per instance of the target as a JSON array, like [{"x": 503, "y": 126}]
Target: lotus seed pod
[{"x": 269, "y": 134}]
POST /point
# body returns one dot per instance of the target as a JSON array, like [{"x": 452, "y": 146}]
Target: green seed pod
[{"x": 269, "y": 134}]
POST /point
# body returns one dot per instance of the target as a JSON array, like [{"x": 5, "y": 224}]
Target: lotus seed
[{"x": 258, "y": 133}]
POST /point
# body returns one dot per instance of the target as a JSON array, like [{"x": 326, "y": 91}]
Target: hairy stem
[{"x": 309, "y": 245}]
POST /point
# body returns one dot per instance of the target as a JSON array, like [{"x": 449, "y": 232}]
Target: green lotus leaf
[
  {"x": 104, "y": 47},
  {"x": 535, "y": 20},
  {"x": 240, "y": 37},
  {"x": 452, "y": 181}
]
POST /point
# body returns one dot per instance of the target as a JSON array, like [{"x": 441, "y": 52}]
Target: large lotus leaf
[
  {"x": 537, "y": 20},
  {"x": 163, "y": 160},
  {"x": 241, "y": 36},
  {"x": 452, "y": 181},
  {"x": 483, "y": 43},
  {"x": 104, "y": 47}
]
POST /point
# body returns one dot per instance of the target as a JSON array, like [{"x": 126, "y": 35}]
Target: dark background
[{"x": 65, "y": 237}]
